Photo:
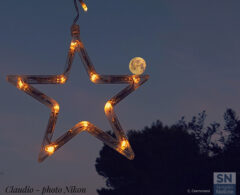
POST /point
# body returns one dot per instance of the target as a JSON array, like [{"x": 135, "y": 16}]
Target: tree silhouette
[
  {"x": 230, "y": 156},
  {"x": 172, "y": 160}
]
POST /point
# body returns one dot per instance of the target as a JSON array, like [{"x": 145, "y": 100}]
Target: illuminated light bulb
[
  {"x": 85, "y": 123},
  {"x": 108, "y": 106},
  {"x": 56, "y": 108},
  {"x": 94, "y": 77},
  {"x": 137, "y": 65},
  {"x": 136, "y": 79},
  {"x": 62, "y": 79},
  {"x": 73, "y": 45},
  {"x": 50, "y": 149},
  {"x": 21, "y": 84},
  {"x": 84, "y": 6},
  {"x": 124, "y": 144}
]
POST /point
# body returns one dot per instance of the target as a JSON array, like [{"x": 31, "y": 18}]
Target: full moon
[{"x": 137, "y": 65}]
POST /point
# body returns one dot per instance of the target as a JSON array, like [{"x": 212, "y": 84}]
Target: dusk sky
[{"x": 192, "y": 54}]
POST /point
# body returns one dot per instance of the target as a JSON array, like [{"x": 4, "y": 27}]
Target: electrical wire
[{"x": 77, "y": 10}]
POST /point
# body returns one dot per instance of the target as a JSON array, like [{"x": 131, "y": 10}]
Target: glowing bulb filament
[
  {"x": 108, "y": 106},
  {"x": 62, "y": 79},
  {"x": 124, "y": 144},
  {"x": 50, "y": 149},
  {"x": 21, "y": 84},
  {"x": 56, "y": 108},
  {"x": 136, "y": 79},
  {"x": 84, "y": 6},
  {"x": 94, "y": 77},
  {"x": 85, "y": 124},
  {"x": 73, "y": 45}
]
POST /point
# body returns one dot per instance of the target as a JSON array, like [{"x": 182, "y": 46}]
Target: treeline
[{"x": 171, "y": 160}]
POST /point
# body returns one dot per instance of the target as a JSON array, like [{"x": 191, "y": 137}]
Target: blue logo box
[{"x": 224, "y": 183}]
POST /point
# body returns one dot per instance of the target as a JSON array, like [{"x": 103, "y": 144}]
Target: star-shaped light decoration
[{"x": 48, "y": 147}]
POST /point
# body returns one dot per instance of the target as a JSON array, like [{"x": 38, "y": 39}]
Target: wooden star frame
[{"x": 48, "y": 147}]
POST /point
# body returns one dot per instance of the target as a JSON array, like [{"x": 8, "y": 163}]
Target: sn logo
[{"x": 224, "y": 178}]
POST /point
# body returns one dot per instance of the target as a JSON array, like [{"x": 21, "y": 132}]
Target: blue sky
[{"x": 192, "y": 53}]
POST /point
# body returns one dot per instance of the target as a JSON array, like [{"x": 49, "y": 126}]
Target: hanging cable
[
  {"x": 77, "y": 10},
  {"x": 84, "y": 6}
]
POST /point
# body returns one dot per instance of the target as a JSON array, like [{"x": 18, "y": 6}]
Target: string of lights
[{"x": 25, "y": 82}]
